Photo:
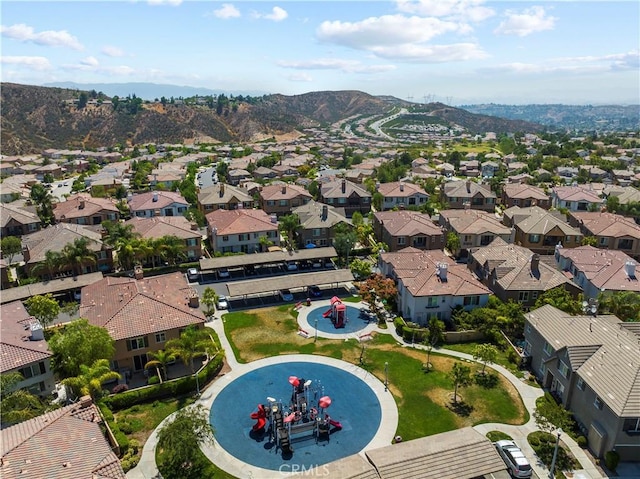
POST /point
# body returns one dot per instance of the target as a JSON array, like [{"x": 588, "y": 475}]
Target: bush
[
  {"x": 123, "y": 440},
  {"x": 611, "y": 460},
  {"x": 399, "y": 324},
  {"x": 125, "y": 427},
  {"x": 581, "y": 441},
  {"x": 153, "y": 380},
  {"x": 120, "y": 388},
  {"x": 534, "y": 441}
]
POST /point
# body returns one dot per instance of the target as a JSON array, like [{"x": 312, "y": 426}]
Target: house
[
  {"x": 598, "y": 271},
  {"x": 318, "y": 222},
  {"x": 141, "y": 314},
  {"x": 264, "y": 173},
  {"x": 514, "y": 273},
  {"x": 522, "y": 194},
  {"x": 475, "y": 228},
  {"x": 17, "y": 219},
  {"x": 247, "y": 231},
  {"x": 52, "y": 169},
  {"x": 6, "y": 281},
  {"x": 178, "y": 226},
  {"x": 489, "y": 169},
  {"x": 401, "y": 194},
  {"x": 610, "y": 230},
  {"x": 83, "y": 209},
  {"x": 237, "y": 175},
  {"x": 591, "y": 364},
  {"x": 64, "y": 443},
  {"x": 430, "y": 285},
  {"x": 24, "y": 349},
  {"x": 459, "y": 194},
  {"x": 541, "y": 230},
  {"x": 399, "y": 229},
  {"x": 157, "y": 203},
  {"x": 575, "y": 198},
  {"x": 341, "y": 193},
  {"x": 567, "y": 173},
  {"x": 223, "y": 197},
  {"x": 281, "y": 199}
]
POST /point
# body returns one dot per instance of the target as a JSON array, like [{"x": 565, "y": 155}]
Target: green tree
[
  {"x": 118, "y": 231},
  {"x": 41, "y": 197},
  {"x": 160, "y": 360},
  {"x": 51, "y": 263},
  {"x": 192, "y": 343},
  {"x": 360, "y": 268},
  {"x": 485, "y": 353},
  {"x": 265, "y": 243},
  {"x": 209, "y": 299},
  {"x": 623, "y": 304},
  {"x": 17, "y": 405},
  {"x": 91, "y": 378},
  {"x": 44, "y": 308},
  {"x": 434, "y": 337},
  {"x": 561, "y": 299},
  {"x": 549, "y": 415},
  {"x": 453, "y": 242},
  {"x": 589, "y": 241},
  {"x": 78, "y": 255},
  {"x": 344, "y": 241},
  {"x": 613, "y": 204},
  {"x": 171, "y": 249},
  {"x": 79, "y": 343},
  {"x": 11, "y": 246},
  {"x": 290, "y": 225},
  {"x": 461, "y": 377},
  {"x": 82, "y": 100},
  {"x": 178, "y": 440}
]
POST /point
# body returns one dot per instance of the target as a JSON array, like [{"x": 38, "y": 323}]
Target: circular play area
[
  {"x": 295, "y": 413},
  {"x": 347, "y": 319}
]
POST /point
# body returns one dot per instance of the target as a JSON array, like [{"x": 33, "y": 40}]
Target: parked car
[
  {"x": 514, "y": 458},
  {"x": 223, "y": 273},
  {"x": 192, "y": 274},
  {"x": 314, "y": 291},
  {"x": 223, "y": 302},
  {"x": 291, "y": 265},
  {"x": 286, "y": 295}
]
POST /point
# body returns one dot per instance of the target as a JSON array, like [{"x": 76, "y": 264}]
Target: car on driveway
[
  {"x": 223, "y": 302},
  {"x": 192, "y": 274},
  {"x": 514, "y": 458},
  {"x": 286, "y": 295},
  {"x": 223, "y": 273}
]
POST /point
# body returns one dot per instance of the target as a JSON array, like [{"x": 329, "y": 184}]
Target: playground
[
  {"x": 334, "y": 318},
  {"x": 298, "y": 412}
]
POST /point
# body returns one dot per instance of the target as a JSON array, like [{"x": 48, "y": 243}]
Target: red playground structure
[
  {"x": 261, "y": 418},
  {"x": 337, "y": 313}
]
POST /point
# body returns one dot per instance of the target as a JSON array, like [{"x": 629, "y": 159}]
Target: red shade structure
[
  {"x": 324, "y": 402},
  {"x": 294, "y": 381}
]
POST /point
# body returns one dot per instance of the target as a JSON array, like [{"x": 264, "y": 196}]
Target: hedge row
[
  {"x": 410, "y": 332},
  {"x": 176, "y": 387},
  {"x": 120, "y": 437}
]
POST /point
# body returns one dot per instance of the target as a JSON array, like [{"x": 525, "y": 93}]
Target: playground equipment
[
  {"x": 337, "y": 312},
  {"x": 304, "y": 415}
]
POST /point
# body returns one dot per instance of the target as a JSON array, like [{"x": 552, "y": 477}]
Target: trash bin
[{"x": 308, "y": 301}]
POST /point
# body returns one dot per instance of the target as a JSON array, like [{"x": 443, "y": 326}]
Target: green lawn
[{"x": 502, "y": 359}]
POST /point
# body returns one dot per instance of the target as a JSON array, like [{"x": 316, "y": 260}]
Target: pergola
[{"x": 273, "y": 257}]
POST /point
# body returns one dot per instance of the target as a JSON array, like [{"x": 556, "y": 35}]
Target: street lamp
[
  {"x": 555, "y": 454},
  {"x": 316, "y": 337},
  {"x": 386, "y": 376}
]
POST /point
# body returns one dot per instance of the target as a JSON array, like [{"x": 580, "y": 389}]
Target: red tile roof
[
  {"x": 232, "y": 222},
  {"x": 17, "y": 350},
  {"x": 144, "y": 201},
  {"x": 83, "y": 205}
]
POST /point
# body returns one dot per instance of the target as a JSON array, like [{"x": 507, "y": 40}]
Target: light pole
[
  {"x": 315, "y": 340},
  {"x": 555, "y": 454},
  {"x": 386, "y": 376}
]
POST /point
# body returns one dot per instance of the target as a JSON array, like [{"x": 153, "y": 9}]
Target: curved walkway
[{"x": 146, "y": 468}]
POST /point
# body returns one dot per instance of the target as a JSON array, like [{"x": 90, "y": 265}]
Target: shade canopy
[
  {"x": 294, "y": 381},
  {"x": 324, "y": 402}
]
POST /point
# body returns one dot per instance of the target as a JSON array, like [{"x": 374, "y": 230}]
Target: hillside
[{"x": 36, "y": 118}]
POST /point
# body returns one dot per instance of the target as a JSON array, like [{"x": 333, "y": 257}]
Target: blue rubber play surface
[
  {"x": 356, "y": 320},
  {"x": 353, "y": 404}
]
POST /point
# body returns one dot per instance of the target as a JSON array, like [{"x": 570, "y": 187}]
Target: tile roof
[
  {"x": 418, "y": 271},
  {"x": 17, "y": 348},
  {"x": 514, "y": 269},
  {"x": 144, "y": 201},
  {"x": 311, "y": 215},
  {"x": 341, "y": 188},
  {"x": 470, "y": 221},
  {"x": 56, "y": 237},
  {"x": 605, "y": 269},
  {"x": 535, "y": 220},
  {"x": 160, "y": 226},
  {"x": 83, "y": 205},
  {"x": 522, "y": 191},
  {"x": 407, "y": 223},
  {"x": 127, "y": 307},
  {"x": 222, "y": 194},
  {"x": 400, "y": 189},
  {"x": 18, "y": 212},
  {"x": 228, "y": 222},
  {"x": 576, "y": 193},
  {"x": 459, "y": 454},
  {"x": 283, "y": 192},
  {"x": 67, "y": 443},
  {"x": 607, "y": 224},
  {"x": 467, "y": 189},
  {"x": 613, "y": 370}
]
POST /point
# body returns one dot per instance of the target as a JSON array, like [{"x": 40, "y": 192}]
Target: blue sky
[{"x": 455, "y": 51}]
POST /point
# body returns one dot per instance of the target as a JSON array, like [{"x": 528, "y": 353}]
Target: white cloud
[
  {"x": 300, "y": 77},
  {"x": 531, "y": 20},
  {"x": 432, "y": 53},
  {"x": 277, "y": 14},
  {"x": 112, "y": 51},
  {"x": 347, "y": 66},
  {"x": 50, "y": 38},
  {"x": 471, "y": 10},
  {"x": 172, "y": 3},
  {"x": 32, "y": 63},
  {"x": 89, "y": 61},
  {"x": 227, "y": 11}
]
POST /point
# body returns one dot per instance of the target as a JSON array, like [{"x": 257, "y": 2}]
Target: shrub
[
  {"x": 123, "y": 440},
  {"x": 399, "y": 324},
  {"x": 534, "y": 441},
  {"x": 153, "y": 380},
  {"x": 581, "y": 441},
  {"x": 125, "y": 427},
  {"x": 120, "y": 388},
  {"x": 611, "y": 460}
]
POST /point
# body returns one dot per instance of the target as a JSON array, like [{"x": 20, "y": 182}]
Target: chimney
[
  {"x": 194, "y": 226},
  {"x": 325, "y": 212},
  {"x": 630, "y": 269},
  {"x": 138, "y": 272},
  {"x": 274, "y": 219},
  {"x": 535, "y": 262},
  {"x": 284, "y": 190},
  {"x": 37, "y": 332},
  {"x": 344, "y": 185},
  {"x": 86, "y": 401},
  {"x": 221, "y": 190},
  {"x": 155, "y": 196},
  {"x": 401, "y": 186},
  {"x": 468, "y": 186},
  {"x": 81, "y": 206},
  {"x": 194, "y": 299},
  {"x": 442, "y": 271}
]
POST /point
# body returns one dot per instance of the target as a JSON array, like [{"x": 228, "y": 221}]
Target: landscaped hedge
[
  {"x": 175, "y": 387},
  {"x": 399, "y": 323}
]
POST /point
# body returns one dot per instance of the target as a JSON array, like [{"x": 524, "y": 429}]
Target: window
[
  {"x": 471, "y": 300},
  {"x": 542, "y": 370},
  {"x": 402, "y": 240},
  {"x": 225, "y": 238},
  {"x": 432, "y": 302},
  {"x": 523, "y": 296},
  {"x": 563, "y": 369},
  {"x": 547, "y": 348},
  {"x": 534, "y": 238},
  {"x": 137, "y": 343},
  {"x": 33, "y": 370},
  {"x": 284, "y": 202},
  {"x": 604, "y": 241},
  {"x": 625, "y": 244},
  {"x": 632, "y": 425},
  {"x": 534, "y": 295},
  {"x": 598, "y": 403},
  {"x": 342, "y": 201},
  {"x": 160, "y": 338},
  {"x": 581, "y": 384},
  {"x": 271, "y": 203},
  {"x": 192, "y": 242},
  {"x": 241, "y": 237},
  {"x": 528, "y": 327},
  {"x": 316, "y": 231}
]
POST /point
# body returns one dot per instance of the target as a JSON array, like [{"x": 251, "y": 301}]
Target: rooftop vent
[{"x": 630, "y": 269}]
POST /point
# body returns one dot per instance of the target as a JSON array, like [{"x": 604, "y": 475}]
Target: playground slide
[
  {"x": 260, "y": 416},
  {"x": 262, "y": 422},
  {"x": 333, "y": 422},
  {"x": 326, "y": 313}
]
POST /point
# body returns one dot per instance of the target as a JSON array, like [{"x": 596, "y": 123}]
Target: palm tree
[
  {"x": 193, "y": 342},
  {"x": 172, "y": 249},
  {"x": 290, "y": 226},
  {"x": 160, "y": 361},
  {"x": 78, "y": 254},
  {"x": 51, "y": 263},
  {"x": 117, "y": 231},
  {"x": 91, "y": 379}
]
